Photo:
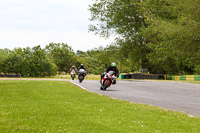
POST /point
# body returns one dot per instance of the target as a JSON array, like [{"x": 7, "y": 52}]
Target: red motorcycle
[{"x": 108, "y": 79}]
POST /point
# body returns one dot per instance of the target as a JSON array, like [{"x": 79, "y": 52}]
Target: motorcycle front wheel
[
  {"x": 80, "y": 78},
  {"x": 101, "y": 88},
  {"x": 106, "y": 83},
  {"x": 72, "y": 76}
]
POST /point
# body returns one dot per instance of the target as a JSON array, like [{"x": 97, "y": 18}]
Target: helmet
[
  {"x": 82, "y": 65},
  {"x": 73, "y": 66},
  {"x": 113, "y": 64}
]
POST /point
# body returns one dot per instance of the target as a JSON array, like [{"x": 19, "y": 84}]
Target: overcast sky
[{"x": 38, "y": 22}]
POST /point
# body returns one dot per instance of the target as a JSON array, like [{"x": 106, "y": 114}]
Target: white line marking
[{"x": 79, "y": 86}]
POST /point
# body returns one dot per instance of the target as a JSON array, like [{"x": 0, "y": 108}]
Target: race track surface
[{"x": 178, "y": 96}]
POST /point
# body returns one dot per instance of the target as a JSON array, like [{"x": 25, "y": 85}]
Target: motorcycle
[
  {"x": 108, "y": 79},
  {"x": 81, "y": 75},
  {"x": 73, "y": 74}
]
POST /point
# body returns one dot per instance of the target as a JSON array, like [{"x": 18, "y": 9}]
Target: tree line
[
  {"x": 37, "y": 61},
  {"x": 55, "y": 58},
  {"x": 162, "y": 36}
]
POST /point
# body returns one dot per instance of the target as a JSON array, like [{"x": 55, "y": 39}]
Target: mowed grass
[
  {"x": 194, "y": 82},
  {"x": 88, "y": 77},
  {"x": 58, "y": 106}
]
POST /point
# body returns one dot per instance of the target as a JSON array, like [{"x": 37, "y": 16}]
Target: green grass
[
  {"x": 88, "y": 77},
  {"x": 61, "y": 76},
  {"x": 194, "y": 82},
  {"x": 58, "y": 106}
]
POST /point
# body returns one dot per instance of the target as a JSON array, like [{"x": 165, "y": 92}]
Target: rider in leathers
[
  {"x": 82, "y": 67},
  {"x": 73, "y": 68},
  {"x": 112, "y": 67}
]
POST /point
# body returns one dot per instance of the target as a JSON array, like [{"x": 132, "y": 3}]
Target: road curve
[{"x": 178, "y": 96}]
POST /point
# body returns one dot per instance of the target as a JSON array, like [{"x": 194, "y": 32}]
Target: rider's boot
[
  {"x": 100, "y": 81},
  {"x": 114, "y": 82},
  {"x": 101, "y": 78}
]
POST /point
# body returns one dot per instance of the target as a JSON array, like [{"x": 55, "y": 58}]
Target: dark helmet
[{"x": 113, "y": 64}]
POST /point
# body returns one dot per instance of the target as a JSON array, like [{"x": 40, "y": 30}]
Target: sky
[{"x": 28, "y": 23}]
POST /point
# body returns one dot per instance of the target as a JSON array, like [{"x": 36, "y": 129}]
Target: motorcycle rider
[
  {"x": 73, "y": 68},
  {"x": 82, "y": 67},
  {"x": 112, "y": 67}
]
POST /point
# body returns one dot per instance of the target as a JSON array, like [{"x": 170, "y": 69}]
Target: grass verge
[
  {"x": 88, "y": 77},
  {"x": 66, "y": 76},
  {"x": 58, "y": 106},
  {"x": 194, "y": 82}
]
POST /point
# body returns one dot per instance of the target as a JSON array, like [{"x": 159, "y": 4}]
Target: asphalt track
[{"x": 177, "y": 96}]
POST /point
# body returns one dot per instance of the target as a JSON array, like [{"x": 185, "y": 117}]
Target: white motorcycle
[
  {"x": 73, "y": 74},
  {"x": 81, "y": 75}
]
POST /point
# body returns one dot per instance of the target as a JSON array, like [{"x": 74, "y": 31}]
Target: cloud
[
  {"x": 39, "y": 22},
  {"x": 44, "y": 15},
  {"x": 78, "y": 40}
]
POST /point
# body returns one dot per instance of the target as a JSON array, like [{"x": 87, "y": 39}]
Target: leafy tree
[
  {"x": 26, "y": 62},
  {"x": 4, "y": 53},
  {"x": 41, "y": 65},
  {"x": 62, "y": 55},
  {"x": 161, "y": 35},
  {"x": 124, "y": 18},
  {"x": 173, "y": 34},
  {"x": 13, "y": 62}
]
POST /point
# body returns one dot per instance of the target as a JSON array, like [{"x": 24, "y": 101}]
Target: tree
[
  {"x": 26, "y": 62},
  {"x": 4, "y": 53},
  {"x": 62, "y": 55},
  {"x": 124, "y": 18},
  {"x": 173, "y": 34},
  {"x": 160, "y": 35},
  {"x": 13, "y": 62},
  {"x": 41, "y": 65}
]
